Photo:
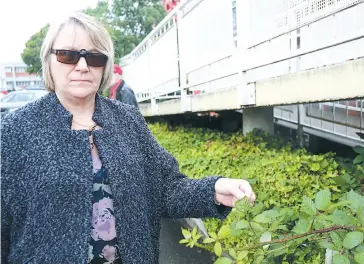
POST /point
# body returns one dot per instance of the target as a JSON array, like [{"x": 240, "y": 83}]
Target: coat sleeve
[
  {"x": 11, "y": 198},
  {"x": 5, "y": 214},
  {"x": 5, "y": 231},
  {"x": 182, "y": 197}
]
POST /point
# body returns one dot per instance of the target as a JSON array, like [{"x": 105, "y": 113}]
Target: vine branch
[{"x": 286, "y": 239}]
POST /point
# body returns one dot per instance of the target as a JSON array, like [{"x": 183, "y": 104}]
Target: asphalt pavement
[{"x": 172, "y": 252}]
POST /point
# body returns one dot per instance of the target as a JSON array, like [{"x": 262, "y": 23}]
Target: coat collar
[{"x": 62, "y": 115}]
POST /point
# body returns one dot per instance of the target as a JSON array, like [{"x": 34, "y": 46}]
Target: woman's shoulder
[
  {"x": 17, "y": 128},
  {"x": 122, "y": 110},
  {"x": 26, "y": 115},
  {"x": 127, "y": 117}
]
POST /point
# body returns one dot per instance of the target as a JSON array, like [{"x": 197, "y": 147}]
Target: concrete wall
[{"x": 329, "y": 83}]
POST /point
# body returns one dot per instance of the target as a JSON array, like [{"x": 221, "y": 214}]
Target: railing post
[
  {"x": 185, "y": 99},
  {"x": 154, "y": 104},
  {"x": 246, "y": 92},
  {"x": 300, "y": 120}
]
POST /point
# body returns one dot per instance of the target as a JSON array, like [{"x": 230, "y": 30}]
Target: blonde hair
[{"x": 99, "y": 37}]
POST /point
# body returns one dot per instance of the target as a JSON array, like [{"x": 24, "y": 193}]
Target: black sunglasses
[{"x": 73, "y": 56}]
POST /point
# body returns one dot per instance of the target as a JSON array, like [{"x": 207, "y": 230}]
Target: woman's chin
[{"x": 81, "y": 92}]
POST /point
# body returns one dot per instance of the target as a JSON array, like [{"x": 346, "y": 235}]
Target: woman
[{"x": 83, "y": 179}]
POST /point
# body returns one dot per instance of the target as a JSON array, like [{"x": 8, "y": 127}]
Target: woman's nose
[{"x": 82, "y": 64}]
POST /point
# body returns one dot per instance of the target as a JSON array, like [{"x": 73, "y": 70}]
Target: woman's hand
[{"x": 228, "y": 191}]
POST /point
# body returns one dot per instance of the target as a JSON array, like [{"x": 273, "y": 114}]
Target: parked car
[
  {"x": 3, "y": 92},
  {"x": 32, "y": 87},
  {"x": 17, "y": 99}
]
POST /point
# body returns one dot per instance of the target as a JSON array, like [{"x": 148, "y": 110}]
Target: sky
[{"x": 20, "y": 19}]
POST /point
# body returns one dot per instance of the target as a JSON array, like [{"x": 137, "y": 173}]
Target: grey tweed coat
[{"x": 46, "y": 184}]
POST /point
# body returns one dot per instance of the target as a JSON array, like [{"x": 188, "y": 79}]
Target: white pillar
[{"x": 258, "y": 117}]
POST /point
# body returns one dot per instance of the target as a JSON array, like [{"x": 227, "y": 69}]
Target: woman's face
[{"x": 75, "y": 81}]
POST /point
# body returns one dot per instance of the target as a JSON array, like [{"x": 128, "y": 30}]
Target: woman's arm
[
  {"x": 182, "y": 197},
  {"x": 11, "y": 194},
  {"x": 5, "y": 231}
]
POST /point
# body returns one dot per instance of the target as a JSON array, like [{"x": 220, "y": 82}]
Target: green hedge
[{"x": 281, "y": 177}]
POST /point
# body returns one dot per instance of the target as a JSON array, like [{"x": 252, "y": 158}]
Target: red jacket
[
  {"x": 169, "y": 4},
  {"x": 113, "y": 89}
]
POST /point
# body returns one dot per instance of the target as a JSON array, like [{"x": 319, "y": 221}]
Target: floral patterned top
[{"x": 103, "y": 247}]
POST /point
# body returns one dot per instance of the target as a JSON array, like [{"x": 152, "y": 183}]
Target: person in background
[
  {"x": 120, "y": 90},
  {"x": 75, "y": 191},
  {"x": 169, "y": 5}
]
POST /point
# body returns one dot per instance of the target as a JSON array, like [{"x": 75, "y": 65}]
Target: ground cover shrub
[{"x": 308, "y": 207}]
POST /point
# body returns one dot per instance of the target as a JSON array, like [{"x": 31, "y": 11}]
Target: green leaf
[
  {"x": 360, "y": 214},
  {"x": 286, "y": 214},
  {"x": 224, "y": 231},
  {"x": 340, "y": 259},
  {"x": 357, "y": 200},
  {"x": 343, "y": 179},
  {"x": 223, "y": 260},
  {"x": 261, "y": 218},
  {"x": 302, "y": 226},
  {"x": 359, "y": 248},
  {"x": 278, "y": 251},
  {"x": 242, "y": 205},
  {"x": 241, "y": 224},
  {"x": 191, "y": 244},
  {"x": 271, "y": 214},
  {"x": 213, "y": 235},
  {"x": 353, "y": 239},
  {"x": 197, "y": 237},
  {"x": 265, "y": 237},
  {"x": 242, "y": 255},
  {"x": 336, "y": 239},
  {"x": 322, "y": 200},
  {"x": 339, "y": 204},
  {"x": 257, "y": 208},
  {"x": 237, "y": 227},
  {"x": 315, "y": 167},
  {"x": 217, "y": 249},
  {"x": 259, "y": 260},
  {"x": 322, "y": 221},
  {"x": 341, "y": 218},
  {"x": 326, "y": 244},
  {"x": 359, "y": 159},
  {"x": 359, "y": 257},
  {"x": 359, "y": 149},
  {"x": 184, "y": 241},
  {"x": 275, "y": 225},
  {"x": 186, "y": 233},
  {"x": 283, "y": 227},
  {"x": 232, "y": 253},
  {"x": 208, "y": 240},
  {"x": 257, "y": 226},
  {"x": 308, "y": 206},
  {"x": 194, "y": 232}
]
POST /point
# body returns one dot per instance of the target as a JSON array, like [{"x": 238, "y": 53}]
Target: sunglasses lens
[
  {"x": 96, "y": 59},
  {"x": 68, "y": 56}
]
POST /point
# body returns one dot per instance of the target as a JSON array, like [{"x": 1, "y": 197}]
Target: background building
[{"x": 13, "y": 76}]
